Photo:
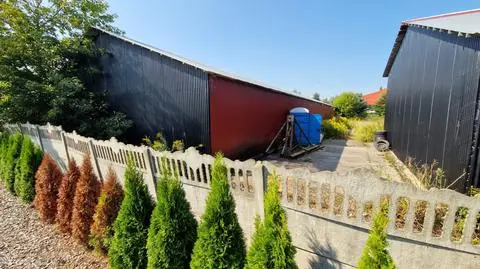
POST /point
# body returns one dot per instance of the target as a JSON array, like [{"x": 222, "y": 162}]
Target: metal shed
[
  {"x": 185, "y": 100},
  {"x": 432, "y": 112}
]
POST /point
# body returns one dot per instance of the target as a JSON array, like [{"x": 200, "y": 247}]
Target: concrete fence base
[{"x": 329, "y": 214}]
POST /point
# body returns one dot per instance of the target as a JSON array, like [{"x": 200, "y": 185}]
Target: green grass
[{"x": 364, "y": 130}]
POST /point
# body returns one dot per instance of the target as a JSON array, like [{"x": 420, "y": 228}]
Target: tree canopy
[
  {"x": 49, "y": 65},
  {"x": 349, "y": 104}
]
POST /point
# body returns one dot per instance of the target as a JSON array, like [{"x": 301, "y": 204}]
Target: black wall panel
[
  {"x": 156, "y": 91},
  {"x": 433, "y": 101}
]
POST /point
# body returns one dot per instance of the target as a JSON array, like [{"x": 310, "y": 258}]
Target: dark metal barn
[
  {"x": 188, "y": 101},
  {"x": 433, "y": 101}
]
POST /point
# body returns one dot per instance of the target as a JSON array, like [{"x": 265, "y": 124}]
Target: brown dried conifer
[
  {"x": 65, "y": 195},
  {"x": 85, "y": 200},
  {"x": 47, "y": 182},
  {"x": 106, "y": 212}
]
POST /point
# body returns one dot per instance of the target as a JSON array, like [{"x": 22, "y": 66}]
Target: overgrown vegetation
[
  {"x": 272, "y": 244},
  {"x": 220, "y": 242},
  {"x": 336, "y": 128},
  {"x": 173, "y": 228},
  {"x": 159, "y": 143},
  {"x": 364, "y": 131},
  {"x": 10, "y": 161},
  {"x": 375, "y": 254},
  {"x": 178, "y": 145},
  {"x": 49, "y": 66},
  {"x": 85, "y": 201},
  {"x": 65, "y": 197},
  {"x": 128, "y": 246},
  {"x": 350, "y": 105},
  {"x": 106, "y": 212},
  {"x": 47, "y": 182},
  {"x": 27, "y": 165},
  {"x": 429, "y": 175}
]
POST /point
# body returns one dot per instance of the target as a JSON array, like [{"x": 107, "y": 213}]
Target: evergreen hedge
[
  {"x": 220, "y": 242},
  {"x": 10, "y": 161},
  {"x": 105, "y": 213},
  {"x": 65, "y": 194},
  {"x": 85, "y": 201},
  {"x": 128, "y": 247},
  {"x": 375, "y": 254},
  {"x": 27, "y": 165},
  {"x": 4, "y": 143},
  {"x": 173, "y": 228},
  {"x": 47, "y": 182},
  {"x": 272, "y": 244}
]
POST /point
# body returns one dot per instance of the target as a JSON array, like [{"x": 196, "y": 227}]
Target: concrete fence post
[
  {"x": 39, "y": 138},
  {"x": 64, "y": 142},
  {"x": 94, "y": 160},
  {"x": 150, "y": 179},
  {"x": 260, "y": 178}
]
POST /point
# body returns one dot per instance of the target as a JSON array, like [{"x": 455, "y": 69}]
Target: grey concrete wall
[{"x": 327, "y": 212}]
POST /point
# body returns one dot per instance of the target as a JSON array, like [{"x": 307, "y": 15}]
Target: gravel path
[{"x": 26, "y": 242}]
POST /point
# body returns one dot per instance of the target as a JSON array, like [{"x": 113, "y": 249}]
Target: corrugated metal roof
[
  {"x": 204, "y": 67},
  {"x": 462, "y": 23}
]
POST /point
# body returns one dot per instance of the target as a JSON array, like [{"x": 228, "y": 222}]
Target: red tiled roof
[{"x": 373, "y": 97}]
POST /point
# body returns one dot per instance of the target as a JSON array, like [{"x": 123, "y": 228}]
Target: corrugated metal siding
[
  {"x": 432, "y": 101},
  {"x": 244, "y": 118},
  {"x": 157, "y": 92}
]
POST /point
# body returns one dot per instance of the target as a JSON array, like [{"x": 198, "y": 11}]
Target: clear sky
[{"x": 311, "y": 46}]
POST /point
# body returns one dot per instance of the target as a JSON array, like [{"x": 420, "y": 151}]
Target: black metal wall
[
  {"x": 157, "y": 92},
  {"x": 432, "y": 102}
]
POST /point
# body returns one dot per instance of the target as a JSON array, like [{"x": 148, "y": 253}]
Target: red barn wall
[{"x": 244, "y": 118}]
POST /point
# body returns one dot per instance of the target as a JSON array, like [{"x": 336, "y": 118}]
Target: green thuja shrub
[
  {"x": 27, "y": 165},
  {"x": 220, "y": 242},
  {"x": 173, "y": 228},
  {"x": 4, "y": 142},
  {"x": 128, "y": 246},
  {"x": 272, "y": 244},
  {"x": 10, "y": 161},
  {"x": 375, "y": 254}
]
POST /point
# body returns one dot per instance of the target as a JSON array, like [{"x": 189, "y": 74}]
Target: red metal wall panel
[{"x": 244, "y": 118}]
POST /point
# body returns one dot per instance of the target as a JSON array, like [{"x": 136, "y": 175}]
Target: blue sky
[{"x": 311, "y": 46}]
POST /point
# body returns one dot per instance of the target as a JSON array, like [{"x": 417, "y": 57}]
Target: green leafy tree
[
  {"x": 379, "y": 106},
  {"x": 128, "y": 247},
  {"x": 316, "y": 96},
  {"x": 375, "y": 254},
  {"x": 173, "y": 228},
  {"x": 349, "y": 104},
  {"x": 10, "y": 161},
  {"x": 48, "y": 65},
  {"x": 272, "y": 244},
  {"x": 220, "y": 242},
  {"x": 27, "y": 165}
]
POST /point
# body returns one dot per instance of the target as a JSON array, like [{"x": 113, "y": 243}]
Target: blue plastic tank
[{"x": 310, "y": 125}]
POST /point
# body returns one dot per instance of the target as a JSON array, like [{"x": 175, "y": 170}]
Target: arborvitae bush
[
  {"x": 4, "y": 136},
  {"x": 173, "y": 228},
  {"x": 85, "y": 201},
  {"x": 10, "y": 161},
  {"x": 65, "y": 197},
  {"x": 375, "y": 254},
  {"x": 128, "y": 247},
  {"x": 272, "y": 244},
  {"x": 27, "y": 165},
  {"x": 47, "y": 182},
  {"x": 220, "y": 242},
  {"x": 105, "y": 213}
]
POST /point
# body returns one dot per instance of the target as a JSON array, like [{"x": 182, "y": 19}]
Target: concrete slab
[{"x": 343, "y": 156}]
